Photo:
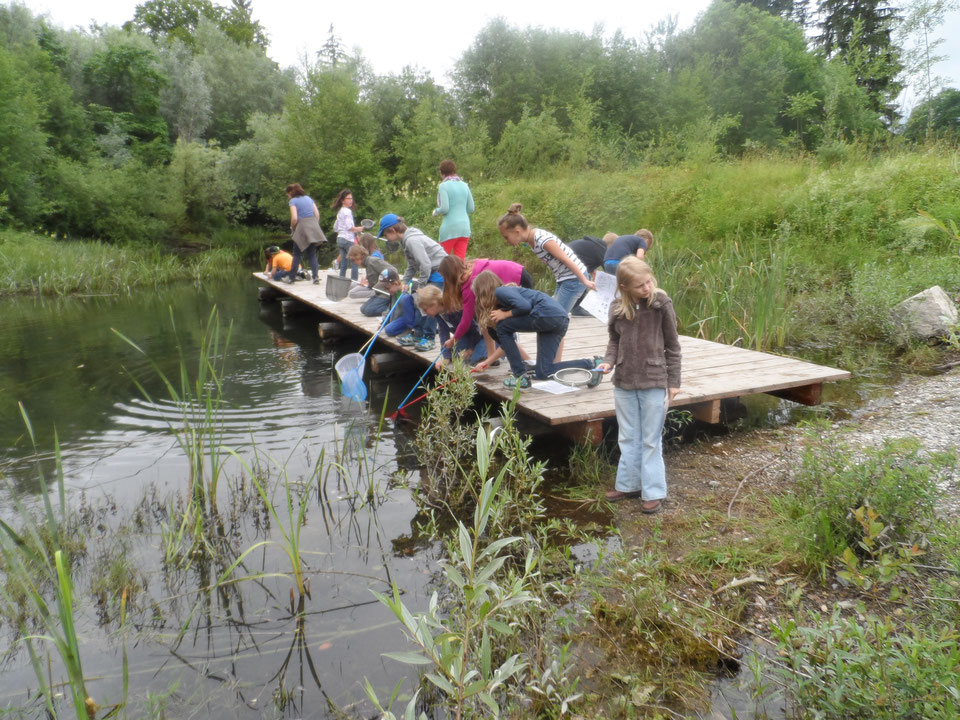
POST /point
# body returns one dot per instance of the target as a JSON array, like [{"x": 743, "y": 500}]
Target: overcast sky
[{"x": 425, "y": 33}]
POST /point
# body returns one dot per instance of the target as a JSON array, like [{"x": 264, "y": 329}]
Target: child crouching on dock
[
  {"x": 407, "y": 315},
  {"x": 471, "y": 345},
  {"x": 373, "y": 266},
  {"x": 645, "y": 350},
  {"x": 507, "y": 309}
]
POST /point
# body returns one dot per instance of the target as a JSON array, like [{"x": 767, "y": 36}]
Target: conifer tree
[{"x": 858, "y": 32}]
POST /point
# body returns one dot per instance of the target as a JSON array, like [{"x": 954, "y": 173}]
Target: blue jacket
[
  {"x": 525, "y": 301},
  {"x": 404, "y": 316}
]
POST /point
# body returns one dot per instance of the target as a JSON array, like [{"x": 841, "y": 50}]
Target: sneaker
[
  {"x": 425, "y": 344},
  {"x": 517, "y": 381},
  {"x": 316, "y": 281},
  {"x": 597, "y": 359},
  {"x": 407, "y": 340},
  {"x": 531, "y": 365},
  {"x": 289, "y": 280},
  {"x": 596, "y": 377}
]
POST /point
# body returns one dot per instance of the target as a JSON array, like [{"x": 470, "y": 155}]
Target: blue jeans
[
  {"x": 345, "y": 246},
  {"x": 640, "y": 415},
  {"x": 377, "y": 305},
  {"x": 610, "y": 266},
  {"x": 425, "y": 326},
  {"x": 550, "y": 332},
  {"x": 568, "y": 292},
  {"x": 311, "y": 254},
  {"x": 470, "y": 341}
]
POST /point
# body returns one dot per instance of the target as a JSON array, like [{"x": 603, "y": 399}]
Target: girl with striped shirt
[{"x": 569, "y": 271}]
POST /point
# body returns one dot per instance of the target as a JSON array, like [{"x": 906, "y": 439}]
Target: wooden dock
[{"x": 710, "y": 371}]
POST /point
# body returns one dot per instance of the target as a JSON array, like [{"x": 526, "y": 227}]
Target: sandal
[
  {"x": 617, "y": 496},
  {"x": 651, "y": 507}
]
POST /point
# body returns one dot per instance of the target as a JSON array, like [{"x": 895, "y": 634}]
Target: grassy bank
[
  {"x": 770, "y": 251},
  {"x": 43, "y": 265}
]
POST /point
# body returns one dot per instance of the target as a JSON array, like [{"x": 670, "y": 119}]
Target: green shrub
[
  {"x": 845, "y": 668},
  {"x": 896, "y": 481}
]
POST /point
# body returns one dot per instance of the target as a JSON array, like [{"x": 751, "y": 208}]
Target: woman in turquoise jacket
[{"x": 454, "y": 203}]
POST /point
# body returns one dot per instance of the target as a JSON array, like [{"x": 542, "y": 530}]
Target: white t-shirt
[
  {"x": 344, "y": 224},
  {"x": 560, "y": 271}
]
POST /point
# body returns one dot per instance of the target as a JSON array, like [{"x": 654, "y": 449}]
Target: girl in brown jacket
[{"x": 645, "y": 349}]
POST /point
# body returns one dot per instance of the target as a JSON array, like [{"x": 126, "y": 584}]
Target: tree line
[{"x": 178, "y": 123}]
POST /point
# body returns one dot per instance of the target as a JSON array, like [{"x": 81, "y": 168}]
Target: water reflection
[{"x": 211, "y": 630}]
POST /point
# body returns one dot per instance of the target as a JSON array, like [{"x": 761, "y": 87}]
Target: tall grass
[
  {"x": 770, "y": 251},
  {"x": 43, "y": 265},
  {"x": 36, "y": 567}
]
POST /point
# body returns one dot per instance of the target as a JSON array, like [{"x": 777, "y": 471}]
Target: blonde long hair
[
  {"x": 631, "y": 269},
  {"x": 484, "y": 286}
]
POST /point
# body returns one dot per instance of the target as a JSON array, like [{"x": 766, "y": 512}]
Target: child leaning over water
[
  {"x": 507, "y": 309},
  {"x": 645, "y": 350},
  {"x": 471, "y": 346}
]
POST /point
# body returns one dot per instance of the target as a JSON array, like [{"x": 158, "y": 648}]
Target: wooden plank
[{"x": 708, "y": 412}]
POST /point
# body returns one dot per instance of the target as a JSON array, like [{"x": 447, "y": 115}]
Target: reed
[
  {"x": 41, "y": 264},
  {"x": 36, "y": 561},
  {"x": 199, "y": 397}
]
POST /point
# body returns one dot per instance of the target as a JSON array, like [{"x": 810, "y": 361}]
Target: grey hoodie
[{"x": 423, "y": 256}]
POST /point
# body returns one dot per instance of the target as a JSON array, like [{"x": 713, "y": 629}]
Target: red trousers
[{"x": 456, "y": 246}]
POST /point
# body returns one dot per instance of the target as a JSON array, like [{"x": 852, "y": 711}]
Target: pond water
[{"x": 191, "y": 648}]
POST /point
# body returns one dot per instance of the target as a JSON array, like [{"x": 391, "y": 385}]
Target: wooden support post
[
  {"x": 805, "y": 394},
  {"x": 591, "y": 431},
  {"x": 266, "y": 293},
  {"x": 708, "y": 412},
  {"x": 331, "y": 330},
  {"x": 294, "y": 307},
  {"x": 391, "y": 363}
]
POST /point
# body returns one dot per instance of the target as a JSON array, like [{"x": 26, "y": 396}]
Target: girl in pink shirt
[{"x": 457, "y": 295}]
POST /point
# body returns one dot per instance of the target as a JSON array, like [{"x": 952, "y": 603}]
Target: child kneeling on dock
[
  {"x": 373, "y": 266},
  {"x": 507, "y": 309},
  {"x": 278, "y": 263},
  {"x": 645, "y": 349},
  {"x": 471, "y": 346},
  {"x": 407, "y": 315}
]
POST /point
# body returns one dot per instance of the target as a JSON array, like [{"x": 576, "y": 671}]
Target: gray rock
[{"x": 926, "y": 315}]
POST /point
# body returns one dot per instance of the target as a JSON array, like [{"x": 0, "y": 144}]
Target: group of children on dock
[{"x": 478, "y": 305}]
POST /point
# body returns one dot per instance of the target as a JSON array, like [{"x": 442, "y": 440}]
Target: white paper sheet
[
  {"x": 553, "y": 387},
  {"x": 597, "y": 302}
]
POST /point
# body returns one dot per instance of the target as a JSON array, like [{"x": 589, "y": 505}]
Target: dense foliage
[{"x": 178, "y": 124}]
